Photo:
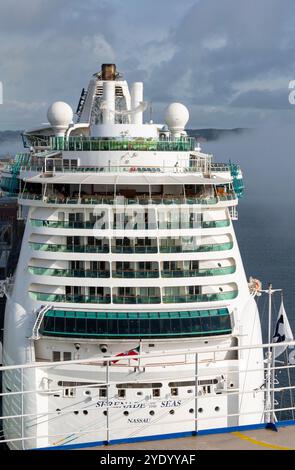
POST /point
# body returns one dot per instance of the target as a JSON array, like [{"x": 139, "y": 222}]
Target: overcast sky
[{"x": 229, "y": 61}]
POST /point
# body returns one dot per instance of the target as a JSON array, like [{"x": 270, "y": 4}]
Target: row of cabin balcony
[
  {"x": 138, "y": 295},
  {"x": 138, "y": 195},
  {"x": 135, "y": 246},
  {"x": 144, "y": 269},
  {"x": 133, "y": 219}
]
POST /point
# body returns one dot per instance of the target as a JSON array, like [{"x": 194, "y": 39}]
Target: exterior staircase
[{"x": 39, "y": 318}]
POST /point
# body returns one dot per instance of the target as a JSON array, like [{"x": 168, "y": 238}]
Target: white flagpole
[
  {"x": 269, "y": 401},
  {"x": 269, "y": 360}
]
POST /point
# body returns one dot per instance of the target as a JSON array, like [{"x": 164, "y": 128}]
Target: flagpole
[
  {"x": 269, "y": 399},
  {"x": 269, "y": 402}
]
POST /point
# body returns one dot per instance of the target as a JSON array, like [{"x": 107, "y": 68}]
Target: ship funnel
[
  {"x": 136, "y": 100},
  {"x": 108, "y": 72}
]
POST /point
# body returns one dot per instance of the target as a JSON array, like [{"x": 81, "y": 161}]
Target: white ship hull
[{"x": 176, "y": 288}]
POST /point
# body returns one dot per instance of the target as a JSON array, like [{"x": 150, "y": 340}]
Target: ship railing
[
  {"x": 181, "y": 365},
  {"x": 127, "y": 226},
  {"x": 69, "y": 248},
  {"x": 181, "y": 168},
  {"x": 39, "y": 271},
  {"x": 120, "y": 200},
  {"x": 133, "y": 298}
]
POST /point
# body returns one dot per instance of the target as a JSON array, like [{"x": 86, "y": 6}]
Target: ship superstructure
[{"x": 129, "y": 250}]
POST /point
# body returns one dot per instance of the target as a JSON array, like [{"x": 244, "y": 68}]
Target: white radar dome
[
  {"x": 60, "y": 114},
  {"x": 176, "y": 116}
]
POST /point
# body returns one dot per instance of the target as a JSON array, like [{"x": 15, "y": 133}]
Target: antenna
[{"x": 151, "y": 111}]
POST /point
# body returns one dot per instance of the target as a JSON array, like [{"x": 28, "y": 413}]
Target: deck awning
[{"x": 105, "y": 178}]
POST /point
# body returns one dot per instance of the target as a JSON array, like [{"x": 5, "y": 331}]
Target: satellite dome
[
  {"x": 176, "y": 116},
  {"x": 60, "y": 114}
]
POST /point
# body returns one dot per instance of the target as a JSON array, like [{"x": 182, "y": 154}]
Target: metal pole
[
  {"x": 196, "y": 393},
  {"x": 269, "y": 361},
  {"x": 107, "y": 385}
]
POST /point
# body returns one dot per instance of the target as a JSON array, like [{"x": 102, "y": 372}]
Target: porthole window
[
  {"x": 126, "y": 413},
  {"x": 172, "y": 412},
  {"x": 85, "y": 412},
  {"x": 105, "y": 413},
  {"x": 58, "y": 410},
  {"x": 217, "y": 408},
  {"x": 152, "y": 412},
  {"x": 200, "y": 410},
  {"x": 220, "y": 288},
  {"x": 191, "y": 410},
  {"x": 87, "y": 392},
  {"x": 102, "y": 392},
  {"x": 76, "y": 412}
]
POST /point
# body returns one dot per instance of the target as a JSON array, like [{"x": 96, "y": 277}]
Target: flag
[
  {"x": 131, "y": 352},
  {"x": 283, "y": 332}
]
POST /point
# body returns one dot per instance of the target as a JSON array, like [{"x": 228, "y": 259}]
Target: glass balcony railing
[
  {"x": 69, "y": 298},
  {"x": 182, "y": 225},
  {"x": 63, "y": 224},
  {"x": 215, "y": 223},
  {"x": 68, "y": 272},
  {"x": 128, "y": 225},
  {"x": 135, "y": 274},
  {"x": 57, "y": 199},
  {"x": 97, "y": 144},
  {"x": 69, "y": 248},
  {"x": 134, "y": 249},
  {"x": 171, "y": 299},
  {"x": 199, "y": 272},
  {"x": 196, "y": 249},
  {"x": 130, "y": 299}
]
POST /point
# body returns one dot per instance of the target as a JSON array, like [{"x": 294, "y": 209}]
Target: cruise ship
[{"x": 129, "y": 265}]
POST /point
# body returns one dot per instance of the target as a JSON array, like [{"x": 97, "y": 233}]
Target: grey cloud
[{"x": 202, "y": 53}]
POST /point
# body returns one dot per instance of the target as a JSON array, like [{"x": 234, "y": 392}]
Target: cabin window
[
  {"x": 69, "y": 392},
  {"x": 102, "y": 392},
  {"x": 67, "y": 356},
  {"x": 56, "y": 356}
]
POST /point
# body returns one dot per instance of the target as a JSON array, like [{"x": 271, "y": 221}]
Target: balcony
[
  {"x": 127, "y": 225},
  {"x": 135, "y": 274},
  {"x": 171, "y": 299},
  {"x": 62, "y": 224},
  {"x": 134, "y": 249},
  {"x": 140, "y": 200},
  {"x": 180, "y": 225},
  {"x": 68, "y": 272},
  {"x": 136, "y": 299},
  {"x": 196, "y": 249},
  {"x": 69, "y": 298},
  {"x": 69, "y": 248},
  {"x": 199, "y": 272}
]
